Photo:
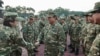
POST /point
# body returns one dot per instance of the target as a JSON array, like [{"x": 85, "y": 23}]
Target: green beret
[{"x": 10, "y": 14}]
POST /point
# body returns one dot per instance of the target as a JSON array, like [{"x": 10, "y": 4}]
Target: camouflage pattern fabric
[
  {"x": 10, "y": 41},
  {"x": 54, "y": 39},
  {"x": 95, "y": 49},
  {"x": 92, "y": 31}
]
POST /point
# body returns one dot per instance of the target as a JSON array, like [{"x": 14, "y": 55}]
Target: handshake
[{"x": 33, "y": 46}]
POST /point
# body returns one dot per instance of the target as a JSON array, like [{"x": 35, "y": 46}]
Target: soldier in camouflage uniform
[
  {"x": 84, "y": 28},
  {"x": 10, "y": 40},
  {"x": 92, "y": 31},
  {"x": 53, "y": 37},
  {"x": 95, "y": 47},
  {"x": 75, "y": 29},
  {"x": 64, "y": 25},
  {"x": 30, "y": 32}
]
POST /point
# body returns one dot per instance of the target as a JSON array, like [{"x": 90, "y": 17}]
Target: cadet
[
  {"x": 65, "y": 26},
  {"x": 10, "y": 39},
  {"x": 95, "y": 47},
  {"x": 92, "y": 31},
  {"x": 75, "y": 29},
  {"x": 30, "y": 32},
  {"x": 63, "y": 23},
  {"x": 53, "y": 37},
  {"x": 84, "y": 28}
]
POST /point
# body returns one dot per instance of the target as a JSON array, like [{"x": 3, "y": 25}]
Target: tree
[
  {"x": 10, "y": 9},
  {"x": 1, "y": 2},
  {"x": 31, "y": 10},
  {"x": 59, "y": 11}
]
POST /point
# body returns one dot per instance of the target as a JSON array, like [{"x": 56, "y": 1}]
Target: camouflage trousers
[
  {"x": 75, "y": 43},
  {"x": 52, "y": 49}
]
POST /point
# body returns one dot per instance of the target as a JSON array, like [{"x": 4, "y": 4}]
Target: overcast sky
[{"x": 76, "y": 5}]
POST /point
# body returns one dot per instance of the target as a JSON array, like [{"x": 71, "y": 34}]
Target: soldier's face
[
  {"x": 96, "y": 17},
  {"x": 31, "y": 20},
  {"x": 62, "y": 21},
  {"x": 51, "y": 20},
  {"x": 14, "y": 24},
  {"x": 88, "y": 18}
]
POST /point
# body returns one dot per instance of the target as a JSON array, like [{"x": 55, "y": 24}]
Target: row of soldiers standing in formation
[{"x": 52, "y": 31}]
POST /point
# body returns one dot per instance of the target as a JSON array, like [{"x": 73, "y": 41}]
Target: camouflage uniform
[
  {"x": 30, "y": 34},
  {"x": 75, "y": 35},
  {"x": 10, "y": 40},
  {"x": 65, "y": 27},
  {"x": 54, "y": 39},
  {"x": 64, "y": 24},
  {"x": 95, "y": 48},
  {"x": 92, "y": 31}
]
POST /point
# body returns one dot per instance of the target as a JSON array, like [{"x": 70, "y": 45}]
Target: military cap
[
  {"x": 20, "y": 19},
  {"x": 35, "y": 16},
  {"x": 95, "y": 10},
  {"x": 88, "y": 14},
  {"x": 51, "y": 15},
  {"x": 10, "y": 14},
  {"x": 30, "y": 17}
]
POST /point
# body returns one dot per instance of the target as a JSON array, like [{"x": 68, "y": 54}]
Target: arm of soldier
[
  {"x": 40, "y": 37},
  {"x": 95, "y": 49},
  {"x": 83, "y": 33},
  {"x": 36, "y": 33},
  {"x": 66, "y": 28},
  {"x": 21, "y": 40},
  {"x": 62, "y": 38},
  {"x": 97, "y": 29}
]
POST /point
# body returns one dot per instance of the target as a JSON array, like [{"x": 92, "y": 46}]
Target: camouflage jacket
[
  {"x": 95, "y": 49},
  {"x": 53, "y": 34},
  {"x": 10, "y": 40},
  {"x": 75, "y": 29},
  {"x": 65, "y": 27},
  {"x": 30, "y": 32},
  {"x": 92, "y": 31},
  {"x": 84, "y": 30}
]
